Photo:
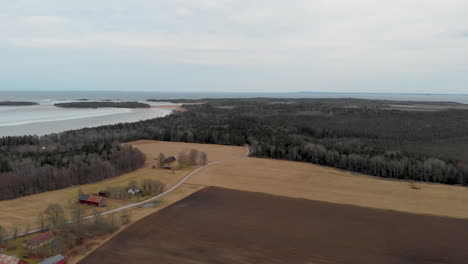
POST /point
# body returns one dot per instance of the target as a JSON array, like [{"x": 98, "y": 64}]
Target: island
[
  {"x": 103, "y": 104},
  {"x": 12, "y": 103},
  {"x": 176, "y": 101}
]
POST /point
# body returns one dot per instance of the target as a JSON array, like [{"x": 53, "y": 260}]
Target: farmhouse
[
  {"x": 168, "y": 162},
  {"x": 59, "y": 259},
  {"x": 4, "y": 259},
  {"x": 104, "y": 193},
  {"x": 92, "y": 200},
  {"x": 134, "y": 191},
  {"x": 39, "y": 241}
]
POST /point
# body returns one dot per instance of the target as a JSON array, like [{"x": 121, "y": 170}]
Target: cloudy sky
[{"x": 418, "y": 46}]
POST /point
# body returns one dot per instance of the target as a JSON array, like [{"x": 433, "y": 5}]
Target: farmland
[
  {"x": 218, "y": 225},
  {"x": 303, "y": 180},
  {"x": 23, "y": 212}
]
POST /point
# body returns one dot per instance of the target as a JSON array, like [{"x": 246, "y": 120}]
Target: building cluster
[{"x": 33, "y": 244}]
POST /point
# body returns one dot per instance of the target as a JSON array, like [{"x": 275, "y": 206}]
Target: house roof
[
  {"x": 4, "y": 259},
  {"x": 53, "y": 260},
  {"x": 84, "y": 197},
  {"x": 95, "y": 199},
  {"x": 41, "y": 238},
  {"x": 170, "y": 160}
]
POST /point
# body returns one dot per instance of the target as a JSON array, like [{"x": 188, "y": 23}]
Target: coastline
[
  {"x": 48, "y": 124},
  {"x": 177, "y": 108}
]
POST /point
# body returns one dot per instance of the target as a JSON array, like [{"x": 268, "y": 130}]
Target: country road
[{"x": 145, "y": 201}]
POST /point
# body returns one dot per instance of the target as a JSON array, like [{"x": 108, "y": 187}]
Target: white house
[{"x": 134, "y": 191}]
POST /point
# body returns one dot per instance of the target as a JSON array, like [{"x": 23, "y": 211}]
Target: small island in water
[
  {"x": 12, "y": 103},
  {"x": 103, "y": 104}
]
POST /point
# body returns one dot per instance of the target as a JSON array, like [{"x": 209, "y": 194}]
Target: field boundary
[{"x": 187, "y": 177}]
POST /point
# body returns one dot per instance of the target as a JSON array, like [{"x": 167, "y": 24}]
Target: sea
[{"x": 45, "y": 118}]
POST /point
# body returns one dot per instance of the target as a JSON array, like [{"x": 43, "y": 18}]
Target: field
[
  {"x": 78, "y": 253},
  {"x": 302, "y": 180},
  {"x": 225, "y": 226},
  {"x": 23, "y": 211}
]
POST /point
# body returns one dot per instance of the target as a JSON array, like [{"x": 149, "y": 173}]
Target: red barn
[
  {"x": 168, "y": 162},
  {"x": 92, "y": 200},
  {"x": 39, "y": 241},
  {"x": 4, "y": 259},
  {"x": 59, "y": 259}
]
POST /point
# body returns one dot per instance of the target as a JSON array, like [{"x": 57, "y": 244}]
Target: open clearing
[
  {"x": 303, "y": 180},
  {"x": 225, "y": 226},
  {"x": 23, "y": 211}
]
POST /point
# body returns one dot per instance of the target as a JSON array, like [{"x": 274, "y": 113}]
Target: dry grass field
[
  {"x": 23, "y": 211},
  {"x": 218, "y": 225},
  {"x": 302, "y": 180},
  {"x": 215, "y": 152}
]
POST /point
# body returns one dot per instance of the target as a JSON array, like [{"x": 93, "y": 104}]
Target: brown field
[
  {"x": 77, "y": 254},
  {"x": 225, "y": 226},
  {"x": 303, "y": 180},
  {"x": 23, "y": 211}
]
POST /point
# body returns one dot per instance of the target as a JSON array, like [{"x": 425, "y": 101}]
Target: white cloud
[{"x": 343, "y": 38}]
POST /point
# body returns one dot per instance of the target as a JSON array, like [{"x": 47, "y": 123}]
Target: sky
[{"x": 401, "y": 46}]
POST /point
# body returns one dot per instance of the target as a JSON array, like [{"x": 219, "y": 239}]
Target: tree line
[
  {"x": 30, "y": 165},
  {"x": 357, "y": 135}
]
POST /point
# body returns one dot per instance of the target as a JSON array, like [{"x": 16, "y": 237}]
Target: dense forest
[
  {"x": 363, "y": 136},
  {"x": 84, "y": 104},
  {"x": 13, "y": 103},
  {"x": 30, "y": 165}
]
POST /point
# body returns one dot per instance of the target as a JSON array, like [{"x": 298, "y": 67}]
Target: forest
[
  {"x": 84, "y": 104},
  {"x": 364, "y": 136},
  {"x": 30, "y": 164}
]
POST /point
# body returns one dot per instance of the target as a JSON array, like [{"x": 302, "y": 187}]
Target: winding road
[{"x": 145, "y": 201}]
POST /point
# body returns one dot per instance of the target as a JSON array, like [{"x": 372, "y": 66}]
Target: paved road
[{"x": 145, "y": 201}]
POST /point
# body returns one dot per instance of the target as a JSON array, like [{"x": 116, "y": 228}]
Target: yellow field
[
  {"x": 293, "y": 179},
  {"x": 302, "y": 180},
  {"x": 24, "y": 211}
]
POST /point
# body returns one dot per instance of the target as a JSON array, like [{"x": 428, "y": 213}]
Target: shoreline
[
  {"x": 58, "y": 123},
  {"x": 177, "y": 108}
]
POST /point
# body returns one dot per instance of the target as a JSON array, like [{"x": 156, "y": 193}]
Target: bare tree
[
  {"x": 3, "y": 233},
  {"x": 204, "y": 158},
  {"x": 55, "y": 214},
  {"x": 194, "y": 156},
  {"x": 15, "y": 231},
  {"x": 77, "y": 212},
  {"x": 41, "y": 221},
  {"x": 183, "y": 159},
  {"x": 161, "y": 160},
  {"x": 125, "y": 218}
]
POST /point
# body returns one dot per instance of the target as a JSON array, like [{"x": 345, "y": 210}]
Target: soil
[{"x": 218, "y": 225}]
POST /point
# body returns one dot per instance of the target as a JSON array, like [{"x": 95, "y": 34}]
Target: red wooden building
[
  {"x": 168, "y": 162},
  {"x": 59, "y": 259},
  {"x": 4, "y": 259},
  {"x": 39, "y": 240},
  {"x": 92, "y": 200}
]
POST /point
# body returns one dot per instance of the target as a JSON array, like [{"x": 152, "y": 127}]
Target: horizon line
[{"x": 205, "y": 92}]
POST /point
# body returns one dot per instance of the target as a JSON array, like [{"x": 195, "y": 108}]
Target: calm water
[
  {"x": 142, "y": 96},
  {"x": 45, "y": 118}
]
